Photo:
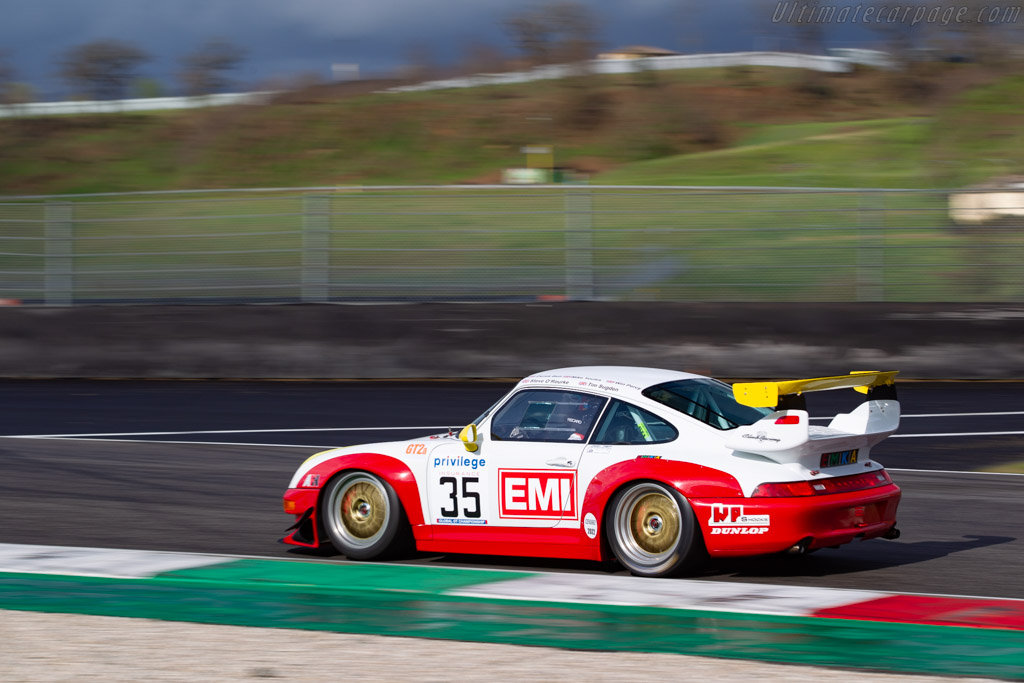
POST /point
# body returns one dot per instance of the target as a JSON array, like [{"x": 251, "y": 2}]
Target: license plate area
[{"x": 839, "y": 458}]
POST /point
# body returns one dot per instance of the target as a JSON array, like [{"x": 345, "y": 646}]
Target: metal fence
[{"x": 504, "y": 243}]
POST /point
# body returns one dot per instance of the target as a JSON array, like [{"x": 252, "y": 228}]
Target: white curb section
[
  {"x": 106, "y": 562},
  {"x": 752, "y": 598}
]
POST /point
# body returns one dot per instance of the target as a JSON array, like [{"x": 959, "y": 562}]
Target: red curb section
[{"x": 936, "y": 610}]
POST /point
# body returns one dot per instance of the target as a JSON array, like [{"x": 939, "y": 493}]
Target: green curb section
[{"x": 397, "y": 600}]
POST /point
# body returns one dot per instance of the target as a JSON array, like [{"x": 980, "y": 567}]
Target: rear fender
[{"x": 691, "y": 480}]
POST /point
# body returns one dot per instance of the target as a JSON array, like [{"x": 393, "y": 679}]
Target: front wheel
[
  {"x": 652, "y": 530},
  {"x": 362, "y": 515}
]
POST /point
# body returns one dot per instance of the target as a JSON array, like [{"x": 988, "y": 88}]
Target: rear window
[
  {"x": 626, "y": 424},
  {"x": 707, "y": 400}
]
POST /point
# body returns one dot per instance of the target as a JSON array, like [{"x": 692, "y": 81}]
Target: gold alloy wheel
[
  {"x": 359, "y": 510},
  {"x": 363, "y": 509},
  {"x": 654, "y": 523},
  {"x": 648, "y": 527}
]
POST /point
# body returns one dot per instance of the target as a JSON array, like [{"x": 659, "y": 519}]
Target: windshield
[{"x": 708, "y": 400}]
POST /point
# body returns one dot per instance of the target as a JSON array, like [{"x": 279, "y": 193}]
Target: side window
[
  {"x": 625, "y": 424},
  {"x": 546, "y": 415}
]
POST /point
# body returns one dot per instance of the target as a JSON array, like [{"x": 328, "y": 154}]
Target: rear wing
[
  {"x": 786, "y": 435},
  {"x": 789, "y": 394}
]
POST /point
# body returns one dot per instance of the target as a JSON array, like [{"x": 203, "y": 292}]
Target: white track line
[
  {"x": 921, "y": 436},
  {"x": 225, "y": 431},
  {"x": 999, "y": 474},
  {"x": 158, "y": 441},
  {"x": 292, "y": 445},
  {"x": 1009, "y": 412}
]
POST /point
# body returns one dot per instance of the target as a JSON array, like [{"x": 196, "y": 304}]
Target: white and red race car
[{"x": 654, "y": 468}]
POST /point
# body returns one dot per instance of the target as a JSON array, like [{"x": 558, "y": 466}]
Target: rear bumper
[{"x": 753, "y": 526}]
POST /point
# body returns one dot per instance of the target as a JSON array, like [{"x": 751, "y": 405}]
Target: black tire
[
  {"x": 652, "y": 530},
  {"x": 363, "y": 516}
]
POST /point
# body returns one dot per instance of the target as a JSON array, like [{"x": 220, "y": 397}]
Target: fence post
[
  {"x": 871, "y": 249},
  {"x": 579, "y": 245},
  {"x": 316, "y": 237},
  {"x": 59, "y": 267}
]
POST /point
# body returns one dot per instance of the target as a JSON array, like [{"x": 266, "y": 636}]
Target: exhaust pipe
[
  {"x": 801, "y": 547},
  {"x": 892, "y": 534}
]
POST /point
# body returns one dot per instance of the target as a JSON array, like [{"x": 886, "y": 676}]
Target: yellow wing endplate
[{"x": 767, "y": 394}]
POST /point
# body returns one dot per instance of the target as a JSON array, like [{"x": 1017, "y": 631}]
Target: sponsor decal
[
  {"x": 839, "y": 458},
  {"x": 746, "y": 530},
  {"x": 590, "y": 525},
  {"x": 311, "y": 481},
  {"x": 536, "y": 494},
  {"x": 575, "y": 436},
  {"x": 449, "y": 520},
  {"x": 760, "y": 436},
  {"x": 733, "y": 515},
  {"x": 460, "y": 462},
  {"x": 648, "y": 457},
  {"x": 416, "y": 449}
]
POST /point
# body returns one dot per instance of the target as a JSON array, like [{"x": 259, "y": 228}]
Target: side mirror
[{"x": 468, "y": 438}]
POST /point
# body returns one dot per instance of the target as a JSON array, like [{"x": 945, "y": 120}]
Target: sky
[{"x": 284, "y": 38}]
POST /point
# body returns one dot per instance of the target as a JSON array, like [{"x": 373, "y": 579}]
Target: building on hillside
[
  {"x": 636, "y": 52},
  {"x": 995, "y": 199}
]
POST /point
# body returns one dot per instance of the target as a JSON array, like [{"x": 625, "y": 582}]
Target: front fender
[{"x": 392, "y": 470}]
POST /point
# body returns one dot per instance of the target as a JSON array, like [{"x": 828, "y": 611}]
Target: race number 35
[{"x": 470, "y": 498}]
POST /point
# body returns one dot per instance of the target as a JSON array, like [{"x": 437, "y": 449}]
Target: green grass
[{"x": 887, "y": 153}]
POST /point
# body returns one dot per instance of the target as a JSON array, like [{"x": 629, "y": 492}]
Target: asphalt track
[{"x": 186, "y": 489}]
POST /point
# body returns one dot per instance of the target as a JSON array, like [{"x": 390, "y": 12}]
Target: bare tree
[
  {"x": 102, "y": 68},
  {"x": 561, "y": 30},
  {"x": 205, "y": 71},
  {"x": 6, "y": 75},
  {"x": 480, "y": 57}
]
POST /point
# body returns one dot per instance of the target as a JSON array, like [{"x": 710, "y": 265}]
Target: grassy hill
[{"x": 715, "y": 126}]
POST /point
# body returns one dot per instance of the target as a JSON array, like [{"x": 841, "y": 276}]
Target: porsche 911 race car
[{"x": 654, "y": 468}]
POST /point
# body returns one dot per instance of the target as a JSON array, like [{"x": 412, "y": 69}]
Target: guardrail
[
  {"x": 789, "y": 60},
  {"x": 131, "y": 105},
  {"x": 501, "y": 243}
]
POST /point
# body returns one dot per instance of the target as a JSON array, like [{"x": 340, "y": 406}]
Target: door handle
[{"x": 560, "y": 462}]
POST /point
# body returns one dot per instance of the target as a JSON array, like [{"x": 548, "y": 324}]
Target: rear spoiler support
[{"x": 789, "y": 395}]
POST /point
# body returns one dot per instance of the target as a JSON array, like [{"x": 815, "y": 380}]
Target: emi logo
[
  {"x": 536, "y": 494},
  {"x": 733, "y": 515}
]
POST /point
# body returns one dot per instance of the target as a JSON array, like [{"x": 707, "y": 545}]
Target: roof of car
[{"x": 612, "y": 379}]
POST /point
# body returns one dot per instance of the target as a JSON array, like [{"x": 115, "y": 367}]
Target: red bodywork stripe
[{"x": 940, "y": 610}]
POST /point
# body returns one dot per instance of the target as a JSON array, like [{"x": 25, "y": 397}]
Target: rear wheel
[
  {"x": 363, "y": 516},
  {"x": 652, "y": 530}
]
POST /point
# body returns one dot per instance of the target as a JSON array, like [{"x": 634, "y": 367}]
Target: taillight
[
  {"x": 853, "y": 482},
  {"x": 788, "y": 420},
  {"x": 784, "y": 490}
]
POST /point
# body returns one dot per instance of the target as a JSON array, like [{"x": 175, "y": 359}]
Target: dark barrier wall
[{"x": 511, "y": 340}]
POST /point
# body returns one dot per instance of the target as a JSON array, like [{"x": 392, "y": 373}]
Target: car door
[
  {"x": 535, "y": 441},
  {"x": 524, "y": 472}
]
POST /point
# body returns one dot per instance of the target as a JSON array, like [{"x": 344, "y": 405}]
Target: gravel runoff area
[{"x": 67, "y": 647}]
